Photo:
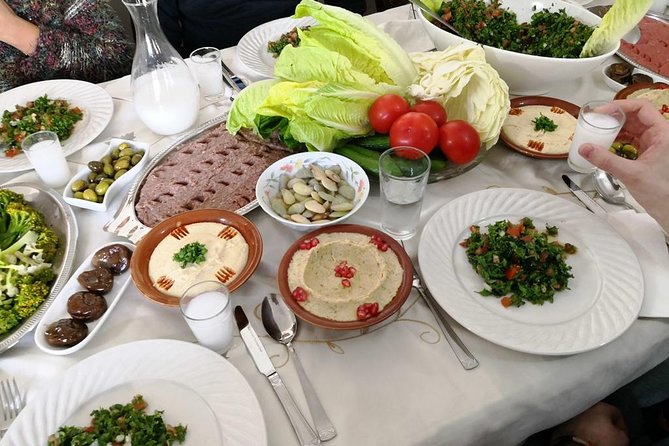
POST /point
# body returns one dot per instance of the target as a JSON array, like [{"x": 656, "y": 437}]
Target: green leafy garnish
[
  {"x": 541, "y": 122},
  {"x": 191, "y": 253},
  {"x": 119, "y": 423},
  {"x": 518, "y": 262}
]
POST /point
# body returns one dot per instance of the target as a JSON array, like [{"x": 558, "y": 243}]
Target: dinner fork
[
  {"x": 11, "y": 402},
  {"x": 465, "y": 357}
]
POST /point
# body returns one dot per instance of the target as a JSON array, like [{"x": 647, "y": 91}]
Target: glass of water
[
  {"x": 403, "y": 173},
  {"x": 598, "y": 123},
  {"x": 208, "y": 312}
]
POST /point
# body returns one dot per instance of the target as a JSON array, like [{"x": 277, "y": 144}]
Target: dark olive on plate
[
  {"x": 65, "y": 332},
  {"x": 638, "y": 78},
  {"x": 620, "y": 72},
  {"x": 85, "y": 306},
  {"x": 116, "y": 258},
  {"x": 98, "y": 280}
]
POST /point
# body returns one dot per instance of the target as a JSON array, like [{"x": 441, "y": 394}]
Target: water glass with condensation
[
  {"x": 206, "y": 62},
  {"x": 207, "y": 310},
  {"x": 403, "y": 174},
  {"x": 46, "y": 155}
]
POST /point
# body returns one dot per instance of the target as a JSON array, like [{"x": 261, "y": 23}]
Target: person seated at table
[
  {"x": 646, "y": 178},
  {"x": 192, "y": 24},
  {"x": 76, "y": 39}
]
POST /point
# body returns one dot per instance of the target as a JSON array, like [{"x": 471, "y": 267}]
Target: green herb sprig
[
  {"x": 543, "y": 123},
  {"x": 191, "y": 253}
]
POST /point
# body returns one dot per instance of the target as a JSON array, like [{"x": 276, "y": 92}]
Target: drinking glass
[
  {"x": 45, "y": 153},
  {"x": 206, "y": 63},
  {"x": 208, "y": 312},
  {"x": 403, "y": 173},
  {"x": 598, "y": 123}
]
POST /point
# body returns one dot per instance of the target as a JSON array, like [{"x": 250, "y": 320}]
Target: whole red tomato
[
  {"x": 459, "y": 141},
  {"x": 385, "y": 110},
  {"x": 414, "y": 129},
  {"x": 433, "y": 109}
]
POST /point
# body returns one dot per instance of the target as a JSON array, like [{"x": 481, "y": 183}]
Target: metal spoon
[
  {"x": 435, "y": 16},
  {"x": 609, "y": 189},
  {"x": 281, "y": 325}
]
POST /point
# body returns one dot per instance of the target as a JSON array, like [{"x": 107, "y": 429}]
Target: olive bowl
[{"x": 116, "y": 186}]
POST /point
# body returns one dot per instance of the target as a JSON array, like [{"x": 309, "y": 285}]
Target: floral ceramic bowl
[{"x": 346, "y": 186}]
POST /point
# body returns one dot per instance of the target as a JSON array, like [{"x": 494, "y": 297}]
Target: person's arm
[
  {"x": 89, "y": 45},
  {"x": 14, "y": 31}
]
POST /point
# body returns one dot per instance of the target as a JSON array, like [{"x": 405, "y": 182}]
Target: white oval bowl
[
  {"x": 116, "y": 186},
  {"x": 268, "y": 184},
  {"x": 527, "y": 74}
]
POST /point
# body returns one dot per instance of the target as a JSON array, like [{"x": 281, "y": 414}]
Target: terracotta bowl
[
  {"x": 139, "y": 265},
  {"x": 393, "y": 306},
  {"x": 622, "y": 94},
  {"x": 539, "y": 100}
]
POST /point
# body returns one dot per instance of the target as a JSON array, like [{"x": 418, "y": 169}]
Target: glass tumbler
[
  {"x": 207, "y": 310},
  {"x": 46, "y": 155},
  {"x": 598, "y": 123},
  {"x": 206, "y": 62}
]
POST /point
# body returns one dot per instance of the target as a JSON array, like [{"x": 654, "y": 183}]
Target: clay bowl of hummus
[
  {"x": 345, "y": 277},
  {"x": 192, "y": 247},
  {"x": 540, "y": 127},
  {"x": 657, "y": 93}
]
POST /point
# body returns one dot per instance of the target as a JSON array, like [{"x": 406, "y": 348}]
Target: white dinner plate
[
  {"x": 252, "y": 48},
  {"x": 184, "y": 379},
  {"x": 94, "y": 101},
  {"x": 605, "y": 293}
]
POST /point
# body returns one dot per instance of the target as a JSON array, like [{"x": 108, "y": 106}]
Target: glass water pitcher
[{"x": 165, "y": 93}]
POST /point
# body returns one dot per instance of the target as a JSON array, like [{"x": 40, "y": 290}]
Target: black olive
[
  {"x": 638, "y": 78},
  {"x": 115, "y": 258},
  {"x": 85, "y": 306},
  {"x": 620, "y": 72},
  {"x": 65, "y": 332},
  {"x": 98, "y": 280}
]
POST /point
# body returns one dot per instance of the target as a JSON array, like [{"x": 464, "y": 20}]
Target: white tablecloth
[{"x": 399, "y": 383}]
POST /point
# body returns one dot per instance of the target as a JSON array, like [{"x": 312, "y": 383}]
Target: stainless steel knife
[
  {"x": 305, "y": 434},
  {"x": 231, "y": 78},
  {"x": 584, "y": 198}
]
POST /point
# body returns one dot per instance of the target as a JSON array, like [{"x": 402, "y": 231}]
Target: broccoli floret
[
  {"x": 22, "y": 218},
  {"x": 30, "y": 297},
  {"x": 29, "y": 238},
  {"x": 7, "y": 196},
  {"x": 47, "y": 242},
  {"x": 8, "y": 320}
]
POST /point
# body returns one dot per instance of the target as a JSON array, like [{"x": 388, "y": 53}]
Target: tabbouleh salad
[
  {"x": 43, "y": 113},
  {"x": 518, "y": 262},
  {"x": 549, "y": 34}
]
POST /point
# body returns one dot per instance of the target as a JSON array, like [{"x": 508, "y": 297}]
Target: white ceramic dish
[
  {"x": 58, "y": 308},
  {"x": 116, "y": 186},
  {"x": 605, "y": 294},
  {"x": 199, "y": 370},
  {"x": 526, "y": 74},
  {"x": 615, "y": 86},
  {"x": 252, "y": 47},
  {"x": 268, "y": 184},
  {"x": 94, "y": 101}
]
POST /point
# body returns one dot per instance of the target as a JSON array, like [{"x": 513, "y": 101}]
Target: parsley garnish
[
  {"x": 543, "y": 123},
  {"x": 191, "y": 253}
]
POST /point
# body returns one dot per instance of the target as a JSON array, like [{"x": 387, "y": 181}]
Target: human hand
[
  {"x": 601, "y": 425},
  {"x": 646, "y": 178}
]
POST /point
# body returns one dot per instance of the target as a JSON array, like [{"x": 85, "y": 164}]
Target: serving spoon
[
  {"x": 609, "y": 189},
  {"x": 281, "y": 325},
  {"x": 435, "y": 16}
]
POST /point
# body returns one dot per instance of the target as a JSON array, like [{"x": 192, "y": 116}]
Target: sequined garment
[{"x": 79, "y": 39}]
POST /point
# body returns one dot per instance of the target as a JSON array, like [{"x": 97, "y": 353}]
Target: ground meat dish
[
  {"x": 652, "y": 49},
  {"x": 214, "y": 170}
]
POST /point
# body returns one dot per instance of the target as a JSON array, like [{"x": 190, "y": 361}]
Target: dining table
[{"x": 395, "y": 383}]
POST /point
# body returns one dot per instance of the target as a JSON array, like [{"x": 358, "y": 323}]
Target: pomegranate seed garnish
[
  {"x": 314, "y": 242},
  {"x": 338, "y": 274},
  {"x": 300, "y": 294},
  {"x": 352, "y": 270},
  {"x": 349, "y": 274},
  {"x": 361, "y": 313},
  {"x": 383, "y": 246},
  {"x": 345, "y": 283}
]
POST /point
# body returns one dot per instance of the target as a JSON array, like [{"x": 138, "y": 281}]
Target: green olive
[
  {"x": 108, "y": 170},
  {"x": 106, "y": 159},
  {"x": 100, "y": 177},
  {"x": 120, "y": 173},
  {"x": 123, "y": 145},
  {"x": 127, "y": 152},
  {"x": 101, "y": 188},
  {"x": 101, "y": 199},
  {"x": 78, "y": 185},
  {"x": 91, "y": 176},
  {"x": 115, "y": 153},
  {"x": 91, "y": 186},
  {"x": 79, "y": 195},
  {"x": 122, "y": 163},
  {"x": 95, "y": 166},
  {"x": 617, "y": 145},
  {"x": 90, "y": 195},
  {"x": 136, "y": 158}
]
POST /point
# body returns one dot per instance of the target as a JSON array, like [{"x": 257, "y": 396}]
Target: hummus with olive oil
[
  {"x": 519, "y": 129},
  {"x": 226, "y": 256},
  {"x": 378, "y": 275}
]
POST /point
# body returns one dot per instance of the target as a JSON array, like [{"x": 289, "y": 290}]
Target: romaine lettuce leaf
[{"x": 618, "y": 21}]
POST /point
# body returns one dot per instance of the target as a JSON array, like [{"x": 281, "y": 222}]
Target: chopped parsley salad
[
  {"x": 549, "y": 34},
  {"x": 121, "y": 424},
  {"x": 43, "y": 113},
  {"x": 518, "y": 262}
]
